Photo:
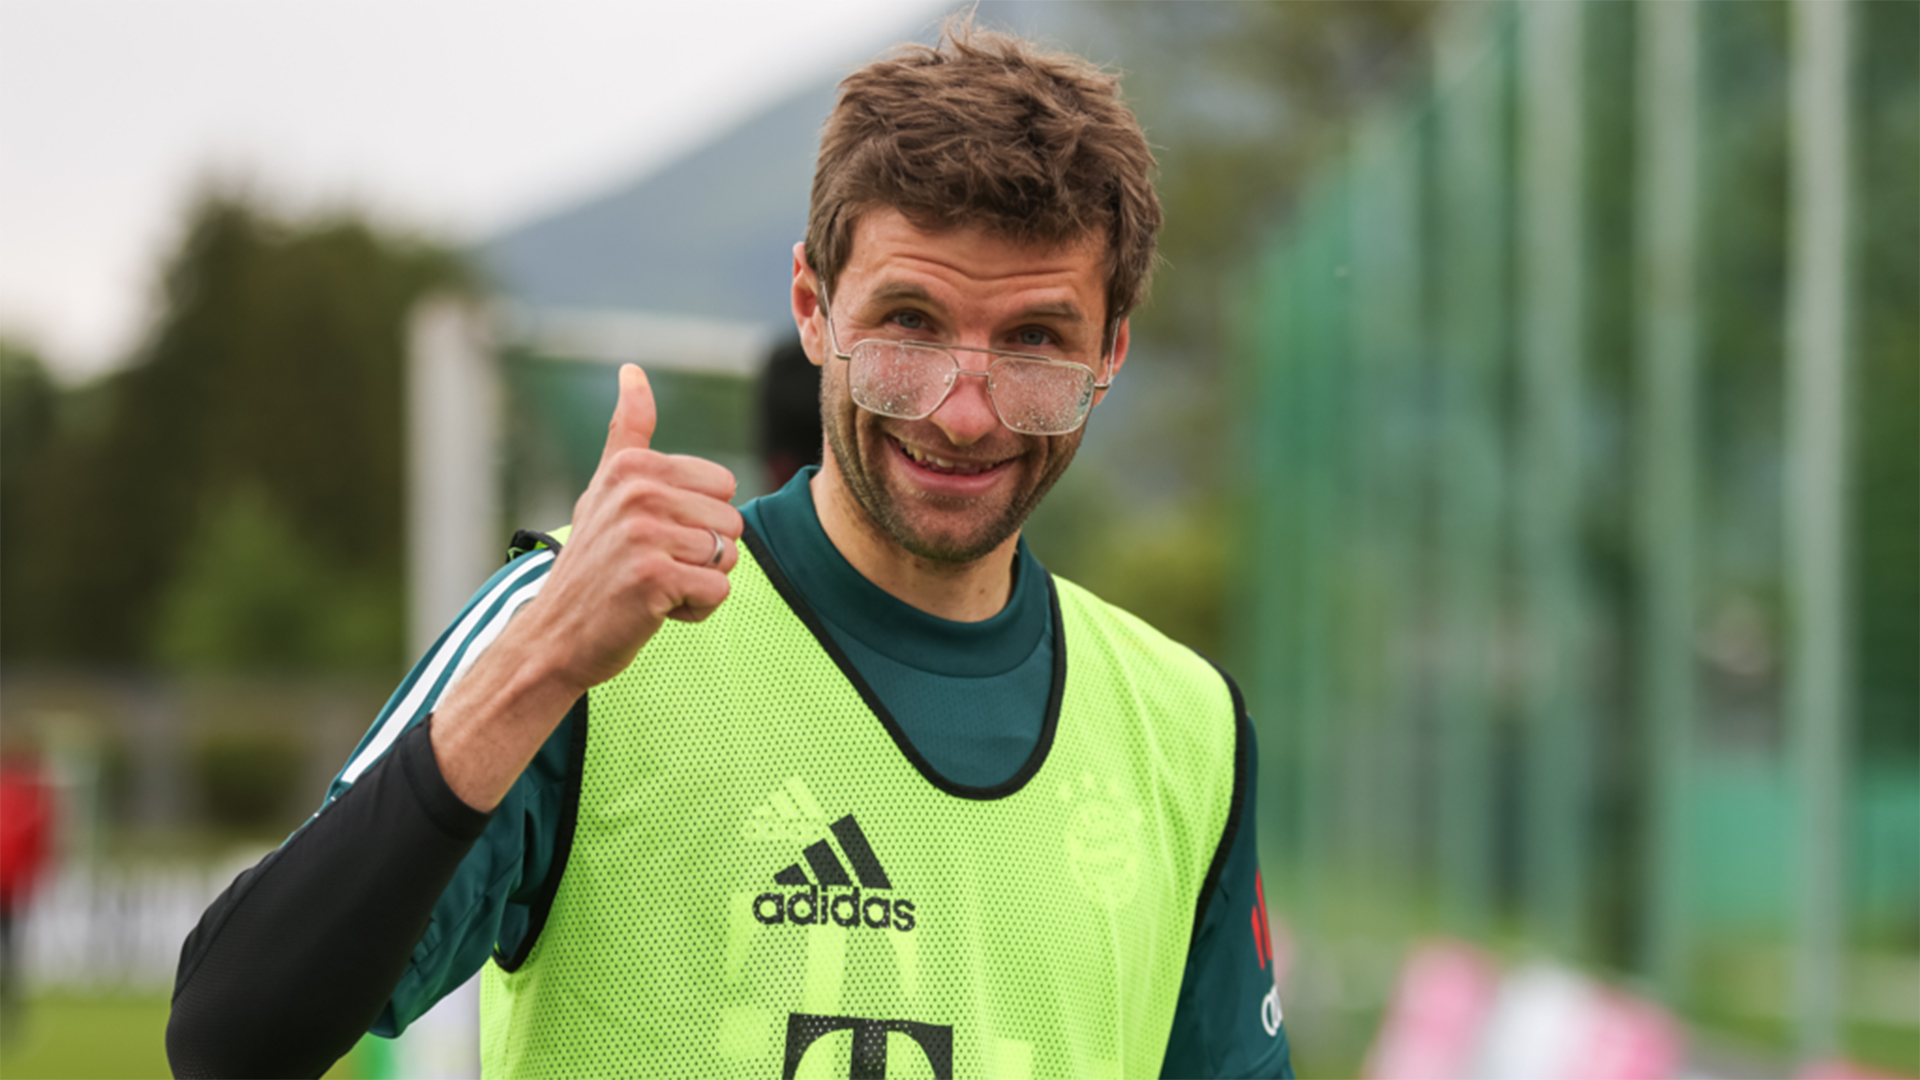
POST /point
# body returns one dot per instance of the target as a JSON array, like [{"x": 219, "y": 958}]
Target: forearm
[
  {"x": 292, "y": 964},
  {"x": 500, "y": 713}
]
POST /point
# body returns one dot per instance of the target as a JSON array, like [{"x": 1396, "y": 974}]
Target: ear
[
  {"x": 1111, "y": 369},
  {"x": 806, "y": 307}
]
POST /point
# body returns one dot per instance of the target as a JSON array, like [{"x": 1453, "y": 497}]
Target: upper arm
[
  {"x": 1227, "y": 1021},
  {"x": 488, "y": 903}
]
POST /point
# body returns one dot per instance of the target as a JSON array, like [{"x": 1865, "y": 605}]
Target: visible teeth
[{"x": 938, "y": 462}]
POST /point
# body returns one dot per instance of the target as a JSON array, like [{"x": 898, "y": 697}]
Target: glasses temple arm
[
  {"x": 1106, "y": 356},
  {"x": 826, "y": 316}
]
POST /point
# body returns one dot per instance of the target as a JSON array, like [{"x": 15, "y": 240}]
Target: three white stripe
[{"x": 470, "y": 633}]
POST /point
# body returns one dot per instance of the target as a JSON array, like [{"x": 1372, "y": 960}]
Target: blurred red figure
[{"x": 26, "y": 827}]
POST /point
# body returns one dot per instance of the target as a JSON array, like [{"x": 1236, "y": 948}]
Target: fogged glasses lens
[
  {"x": 900, "y": 380},
  {"x": 909, "y": 380},
  {"x": 1038, "y": 398}
]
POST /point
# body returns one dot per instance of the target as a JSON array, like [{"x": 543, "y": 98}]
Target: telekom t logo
[{"x": 869, "y": 1058}]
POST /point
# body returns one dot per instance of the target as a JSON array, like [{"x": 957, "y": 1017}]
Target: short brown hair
[{"x": 986, "y": 130}]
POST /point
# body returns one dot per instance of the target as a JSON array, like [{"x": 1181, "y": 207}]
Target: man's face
[{"x": 952, "y": 487}]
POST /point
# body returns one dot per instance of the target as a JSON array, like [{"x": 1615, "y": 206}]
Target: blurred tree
[
  {"x": 1241, "y": 103},
  {"x": 259, "y": 432},
  {"x": 1886, "y": 501},
  {"x": 27, "y": 400},
  {"x": 253, "y": 593}
]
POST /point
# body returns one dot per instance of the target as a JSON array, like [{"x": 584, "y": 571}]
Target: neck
[{"x": 962, "y": 592}]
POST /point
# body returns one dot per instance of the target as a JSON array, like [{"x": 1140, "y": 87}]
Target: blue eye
[
  {"x": 910, "y": 320},
  {"x": 1035, "y": 337}
]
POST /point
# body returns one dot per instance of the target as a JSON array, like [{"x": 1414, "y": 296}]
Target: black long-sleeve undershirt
[{"x": 296, "y": 959}]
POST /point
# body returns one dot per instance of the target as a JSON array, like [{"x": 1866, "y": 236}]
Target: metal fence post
[
  {"x": 1552, "y": 328},
  {"x": 1818, "y": 697},
  {"x": 1667, "y": 257},
  {"x": 1472, "y": 175},
  {"x": 1385, "y": 329}
]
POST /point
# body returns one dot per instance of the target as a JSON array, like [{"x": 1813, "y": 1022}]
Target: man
[
  {"x": 26, "y": 835},
  {"x": 842, "y": 784}
]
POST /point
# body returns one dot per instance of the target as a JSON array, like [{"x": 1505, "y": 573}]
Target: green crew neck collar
[{"x": 840, "y": 594}]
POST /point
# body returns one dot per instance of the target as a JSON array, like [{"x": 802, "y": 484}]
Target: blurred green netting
[{"x": 1527, "y": 563}]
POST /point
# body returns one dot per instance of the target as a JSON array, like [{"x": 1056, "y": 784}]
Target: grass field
[
  {"x": 122, "y": 1037},
  {"x": 99, "y": 1038},
  {"x": 63, "y": 1037}
]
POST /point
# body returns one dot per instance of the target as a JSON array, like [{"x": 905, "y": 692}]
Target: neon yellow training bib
[{"x": 764, "y": 881}]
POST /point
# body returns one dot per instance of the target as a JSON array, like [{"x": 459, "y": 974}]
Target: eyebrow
[
  {"x": 901, "y": 290},
  {"x": 1058, "y": 309},
  {"x": 906, "y": 290}
]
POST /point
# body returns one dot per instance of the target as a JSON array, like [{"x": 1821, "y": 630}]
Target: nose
[{"x": 967, "y": 415}]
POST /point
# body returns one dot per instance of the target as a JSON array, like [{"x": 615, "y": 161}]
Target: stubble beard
[{"x": 865, "y": 480}]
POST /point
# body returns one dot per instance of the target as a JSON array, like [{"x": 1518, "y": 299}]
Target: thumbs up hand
[{"x": 653, "y": 539}]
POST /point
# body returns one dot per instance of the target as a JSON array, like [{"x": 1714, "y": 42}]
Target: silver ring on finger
[{"x": 719, "y": 549}]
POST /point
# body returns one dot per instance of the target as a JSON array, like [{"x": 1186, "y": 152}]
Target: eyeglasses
[{"x": 908, "y": 380}]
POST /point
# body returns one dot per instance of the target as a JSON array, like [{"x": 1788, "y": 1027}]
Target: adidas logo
[{"x": 816, "y": 904}]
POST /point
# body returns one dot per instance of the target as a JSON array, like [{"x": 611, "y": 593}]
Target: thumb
[{"x": 633, "y": 417}]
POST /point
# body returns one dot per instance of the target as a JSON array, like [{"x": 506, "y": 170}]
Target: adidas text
[{"x": 813, "y": 906}]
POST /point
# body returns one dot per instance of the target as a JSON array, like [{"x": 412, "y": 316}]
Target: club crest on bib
[{"x": 1103, "y": 839}]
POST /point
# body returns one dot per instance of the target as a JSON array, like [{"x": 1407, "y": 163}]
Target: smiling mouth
[{"x": 945, "y": 466}]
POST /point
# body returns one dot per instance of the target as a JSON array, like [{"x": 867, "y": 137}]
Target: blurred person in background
[
  {"x": 816, "y": 782},
  {"x": 786, "y": 400},
  {"x": 26, "y": 834}
]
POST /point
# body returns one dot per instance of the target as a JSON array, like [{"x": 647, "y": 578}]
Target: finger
[
  {"x": 687, "y": 613},
  {"x": 633, "y": 415},
  {"x": 698, "y": 474},
  {"x": 697, "y": 547},
  {"x": 666, "y": 505},
  {"x": 701, "y": 590}
]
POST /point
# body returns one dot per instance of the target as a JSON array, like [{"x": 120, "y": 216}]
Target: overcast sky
[{"x": 462, "y": 117}]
